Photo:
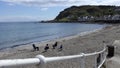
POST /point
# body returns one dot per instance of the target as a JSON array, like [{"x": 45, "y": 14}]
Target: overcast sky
[{"x": 36, "y": 10}]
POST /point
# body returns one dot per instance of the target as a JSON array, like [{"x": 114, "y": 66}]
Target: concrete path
[{"x": 113, "y": 62}]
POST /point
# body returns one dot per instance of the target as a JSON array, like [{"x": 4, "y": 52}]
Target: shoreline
[
  {"x": 11, "y": 43},
  {"x": 86, "y": 21},
  {"x": 52, "y": 40}
]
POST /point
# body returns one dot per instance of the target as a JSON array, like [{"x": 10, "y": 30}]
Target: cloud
[
  {"x": 44, "y": 9},
  {"x": 53, "y": 3},
  {"x": 111, "y": 2},
  {"x": 10, "y": 4}
]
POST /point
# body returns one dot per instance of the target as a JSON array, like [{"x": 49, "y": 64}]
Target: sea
[{"x": 19, "y": 33}]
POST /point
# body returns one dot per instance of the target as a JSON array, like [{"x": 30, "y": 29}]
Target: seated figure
[
  {"x": 46, "y": 48},
  {"x": 55, "y": 45},
  {"x": 61, "y": 47},
  {"x": 35, "y": 48}
]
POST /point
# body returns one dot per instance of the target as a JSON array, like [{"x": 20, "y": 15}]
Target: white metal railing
[{"x": 41, "y": 60}]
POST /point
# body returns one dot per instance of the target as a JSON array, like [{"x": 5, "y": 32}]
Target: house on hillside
[
  {"x": 85, "y": 18},
  {"x": 116, "y": 17}
]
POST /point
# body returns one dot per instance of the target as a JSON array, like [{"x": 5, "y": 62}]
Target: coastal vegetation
[{"x": 88, "y": 13}]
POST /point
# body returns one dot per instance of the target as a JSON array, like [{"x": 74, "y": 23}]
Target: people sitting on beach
[
  {"x": 46, "y": 47},
  {"x": 35, "y": 48},
  {"x": 55, "y": 45},
  {"x": 61, "y": 47}
]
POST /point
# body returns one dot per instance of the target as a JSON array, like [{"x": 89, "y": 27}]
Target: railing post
[
  {"x": 101, "y": 57},
  {"x": 105, "y": 56},
  {"x": 82, "y": 61},
  {"x": 95, "y": 61},
  {"x": 42, "y": 61}
]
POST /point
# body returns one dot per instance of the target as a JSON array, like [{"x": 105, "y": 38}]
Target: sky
[{"x": 37, "y": 10}]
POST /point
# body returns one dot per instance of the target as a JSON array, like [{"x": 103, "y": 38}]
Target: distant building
[
  {"x": 105, "y": 17},
  {"x": 85, "y": 18},
  {"x": 116, "y": 17}
]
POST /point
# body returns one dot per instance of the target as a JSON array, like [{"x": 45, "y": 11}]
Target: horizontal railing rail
[{"x": 41, "y": 60}]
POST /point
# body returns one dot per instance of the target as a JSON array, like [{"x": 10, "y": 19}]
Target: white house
[{"x": 116, "y": 17}]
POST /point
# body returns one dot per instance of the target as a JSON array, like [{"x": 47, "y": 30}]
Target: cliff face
[{"x": 74, "y": 12}]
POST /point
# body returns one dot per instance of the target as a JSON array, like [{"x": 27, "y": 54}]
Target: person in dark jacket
[
  {"x": 46, "y": 47},
  {"x": 61, "y": 47},
  {"x": 55, "y": 45}
]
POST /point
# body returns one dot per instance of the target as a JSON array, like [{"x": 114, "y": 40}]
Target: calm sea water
[{"x": 12, "y": 34}]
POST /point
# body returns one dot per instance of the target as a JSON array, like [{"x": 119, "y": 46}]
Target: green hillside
[{"x": 72, "y": 13}]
